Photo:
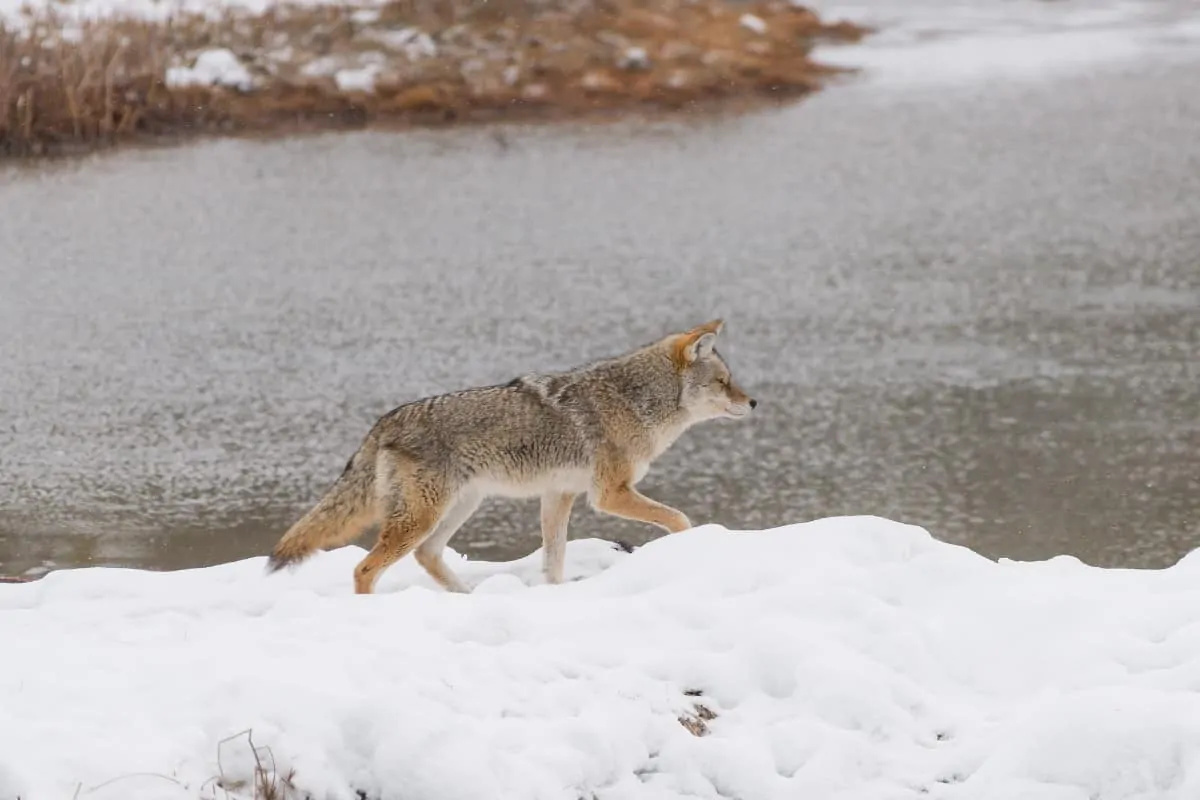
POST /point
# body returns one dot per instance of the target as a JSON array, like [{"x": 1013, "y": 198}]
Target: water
[{"x": 969, "y": 305}]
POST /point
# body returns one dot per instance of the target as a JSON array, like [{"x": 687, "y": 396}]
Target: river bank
[{"x": 71, "y": 82}]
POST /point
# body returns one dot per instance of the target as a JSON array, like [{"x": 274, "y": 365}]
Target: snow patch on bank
[
  {"x": 844, "y": 658},
  {"x": 219, "y": 67},
  {"x": 936, "y": 44},
  {"x": 973, "y": 59}
]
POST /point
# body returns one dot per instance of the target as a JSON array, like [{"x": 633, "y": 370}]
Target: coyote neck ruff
[{"x": 424, "y": 468}]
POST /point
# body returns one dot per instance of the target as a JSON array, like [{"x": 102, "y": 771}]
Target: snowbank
[
  {"x": 970, "y": 60},
  {"x": 843, "y": 658},
  {"x": 944, "y": 45}
]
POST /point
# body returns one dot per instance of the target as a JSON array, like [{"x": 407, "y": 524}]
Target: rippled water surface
[{"x": 971, "y": 307}]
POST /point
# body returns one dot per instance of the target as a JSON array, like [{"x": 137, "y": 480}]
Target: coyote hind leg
[
  {"x": 429, "y": 552},
  {"x": 409, "y": 522}
]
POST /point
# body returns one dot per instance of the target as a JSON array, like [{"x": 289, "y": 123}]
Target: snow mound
[
  {"x": 357, "y": 80},
  {"x": 939, "y": 46},
  {"x": 843, "y": 658}
]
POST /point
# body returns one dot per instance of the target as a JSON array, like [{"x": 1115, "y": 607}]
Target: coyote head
[{"x": 708, "y": 390}]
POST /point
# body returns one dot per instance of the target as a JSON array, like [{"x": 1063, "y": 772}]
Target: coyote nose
[{"x": 753, "y": 403}]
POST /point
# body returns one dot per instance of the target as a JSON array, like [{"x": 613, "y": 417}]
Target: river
[{"x": 967, "y": 300}]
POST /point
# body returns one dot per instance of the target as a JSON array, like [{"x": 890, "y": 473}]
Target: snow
[
  {"x": 943, "y": 43},
  {"x": 753, "y": 23},
  {"x": 844, "y": 658},
  {"x": 357, "y": 80},
  {"x": 212, "y": 67},
  {"x": 972, "y": 59},
  {"x": 634, "y": 58},
  {"x": 413, "y": 42},
  {"x": 325, "y": 65}
]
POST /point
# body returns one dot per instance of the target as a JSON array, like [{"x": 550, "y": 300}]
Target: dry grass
[
  {"x": 257, "y": 778},
  {"x": 66, "y": 87},
  {"x": 696, "y": 721},
  {"x": 59, "y": 95},
  {"x": 265, "y": 782}
]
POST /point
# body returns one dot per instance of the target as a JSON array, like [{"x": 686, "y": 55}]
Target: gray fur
[{"x": 594, "y": 429}]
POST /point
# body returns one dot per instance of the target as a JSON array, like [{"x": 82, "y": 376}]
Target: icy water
[{"x": 970, "y": 303}]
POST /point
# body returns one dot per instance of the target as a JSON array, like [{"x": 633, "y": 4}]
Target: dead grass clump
[
  {"x": 67, "y": 86},
  {"x": 257, "y": 774},
  {"x": 61, "y": 93},
  {"x": 252, "y": 770}
]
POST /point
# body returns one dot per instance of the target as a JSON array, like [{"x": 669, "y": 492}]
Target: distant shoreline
[{"x": 81, "y": 86}]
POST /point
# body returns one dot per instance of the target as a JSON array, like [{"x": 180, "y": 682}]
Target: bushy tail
[{"x": 337, "y": 519}]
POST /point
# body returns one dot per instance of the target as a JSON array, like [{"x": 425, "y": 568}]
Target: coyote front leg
[
  {"x": 615, "y": 495},
  {"x": 556, "y": 513}
]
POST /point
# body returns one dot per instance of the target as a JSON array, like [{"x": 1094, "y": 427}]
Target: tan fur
[
  {"x": 555, "y": 514},
  {"x": 683, "y": 344},
  {"x": 425, "y": 467}
]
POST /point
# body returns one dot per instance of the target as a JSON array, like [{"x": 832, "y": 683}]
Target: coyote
[{"x": 424, "y": 467}]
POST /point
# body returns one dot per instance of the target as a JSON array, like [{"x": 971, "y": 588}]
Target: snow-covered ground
[
  {"x": 972, "y": 42},
  {"x": 844, "y": 658}
]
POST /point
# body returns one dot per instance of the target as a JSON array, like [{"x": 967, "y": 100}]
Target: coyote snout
[{"x": 425, "y": 467}]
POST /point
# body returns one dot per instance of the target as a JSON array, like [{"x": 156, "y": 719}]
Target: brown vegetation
[
  {"x": 67, "y": 86},
  {"x": 696, "y": 721}
]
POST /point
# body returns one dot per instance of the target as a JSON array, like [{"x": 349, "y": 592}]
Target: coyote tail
[{"x": 338, "y": 518}]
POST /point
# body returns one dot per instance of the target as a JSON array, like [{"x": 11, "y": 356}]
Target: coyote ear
[
  {"x": 697, "y": 343},
  {"x": 701, "y": 348}
]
